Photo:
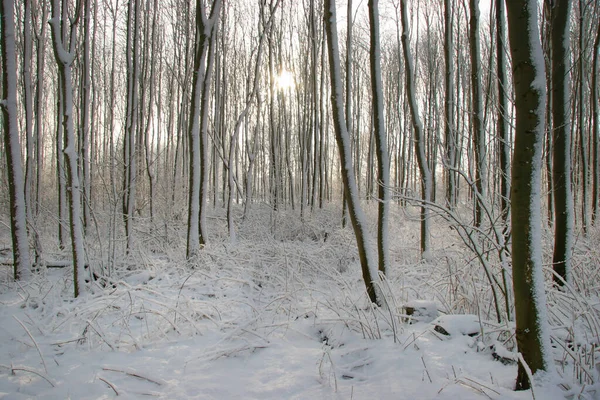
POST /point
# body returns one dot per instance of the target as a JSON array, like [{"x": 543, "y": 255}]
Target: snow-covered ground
[{"x": 277, "y": 315}]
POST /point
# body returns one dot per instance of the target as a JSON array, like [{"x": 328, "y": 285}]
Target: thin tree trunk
[
  {"x": 595, "y": 126},
  {"x": 383, "y": 163},
  {"x": 479, "y": 141},
  {"x": 358, "y": 219},
  {"x": 12, "y": 146},
  {"x": 65, "y": 54},
  {"x": 561, "y": 138},
  {"x": 426, "y": 187},
  {"x": 449, "y": 126}
]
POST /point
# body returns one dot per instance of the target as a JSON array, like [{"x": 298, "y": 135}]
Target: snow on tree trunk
[
  {"x": 479, "y": 143},
  {"x": 129, "y": 148},
  {"x": 198, "y": 126},
  {"x": 383, "y": 163},
  {"x": 503, "y": 134},
  {"x": 357, "y": 217},
  {"x": 532, "y": 330},
  {"x": 12, "y": 146},
  {"x": 595, "y": 133},
  {"x": 426, "y": 180},
  {"x": 449, "y": 126},
  {"x": 561, "y": 137},
  {"x": 64, "y": 60}
]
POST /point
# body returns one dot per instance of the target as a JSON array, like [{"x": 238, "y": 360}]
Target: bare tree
[
  {"x": 479, "y": 143},
  {"x": 64, "y": 52},
  {"x": 595, "y": 131},
  {"x": 358, "y": 219},
  {"x": 383, "y": 162},
  {"x": 426, "y": 180},
  {"x": 532, "y": 334},
  {"x": 198, "y": 124},
  {"x": 449, "y": 124},
  {"x": 12, "y": 145},
  {"x": 561, "y": 138},
  {"x": 503, "y": 110},
  {"x": 131, "y": 123}
]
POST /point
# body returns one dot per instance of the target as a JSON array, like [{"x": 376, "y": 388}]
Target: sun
[{"x": 285, "y": 80}]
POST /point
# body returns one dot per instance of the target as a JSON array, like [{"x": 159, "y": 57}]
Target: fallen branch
[{"x": 109, "y": 385}]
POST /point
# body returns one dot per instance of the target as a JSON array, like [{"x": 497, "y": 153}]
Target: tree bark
[
  {"x": 561, "y": 137},
  {"x": 198, "y": 125},
  {"x": 426, "y": 186},
  {"x": 532, "y": 334},
  {"x": 64, "y": 52},
  {"x": 383, "y": 162},
  {"x": 358, "y": 219},
  {"x": 12, "y": 146},
  {"x": 479, "y": 140}
]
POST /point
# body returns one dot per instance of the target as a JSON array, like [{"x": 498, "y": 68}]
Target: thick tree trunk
[{"x": 532, "y": 334}]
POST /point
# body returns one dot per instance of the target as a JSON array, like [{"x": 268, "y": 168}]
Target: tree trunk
[
  {"x": 479, "y": 141},
  {"x": 198, "y": 125},
  {"x": 449, "y": 126},
  {"x": 561, "y": 177},
  {"x": 64, "y": 52},
  {"x": 532, "y": 334},
  {"x": 383, "y": 163},
  {"x": 595, "y": 126},
  {"x": 12, "y": 146},
  {"x": 426, "y": 186},
  {"x": 503, "y": 110},
  {"x": 358, "y": 219}
]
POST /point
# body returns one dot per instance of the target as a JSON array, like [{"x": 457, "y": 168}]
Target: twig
[
  {"x": 527, "y": 371},
  {"x": 429, "y": 376},
  {"x": 110, "y": 385},
  {"x": 99, "y": 334},
  {"x": 34, "y": 342},
  {"x": 31, "y": 370},
  {"x": 134, "y": 374}
]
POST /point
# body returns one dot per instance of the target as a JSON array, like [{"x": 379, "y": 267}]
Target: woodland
[{"x": 300, "y": 198}]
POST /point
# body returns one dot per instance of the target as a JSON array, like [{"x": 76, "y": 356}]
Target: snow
[
  {"x": 268, "y": 318},
  {"x": 248, "y": 345}
]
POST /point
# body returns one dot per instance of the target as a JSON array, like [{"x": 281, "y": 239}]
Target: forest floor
[{"x": 281, "y": 314}]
